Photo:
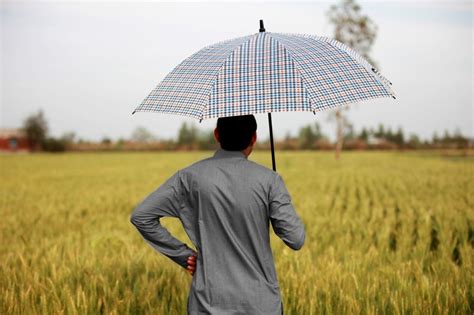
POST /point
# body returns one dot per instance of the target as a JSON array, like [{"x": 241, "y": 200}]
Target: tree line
[{"x": 190, "y": 137}]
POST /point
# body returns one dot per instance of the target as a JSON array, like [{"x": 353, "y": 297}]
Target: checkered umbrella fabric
[{"x": 267, "y": 72}]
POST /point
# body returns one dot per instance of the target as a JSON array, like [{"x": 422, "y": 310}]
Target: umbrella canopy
[{"x": 266, "y": 72}]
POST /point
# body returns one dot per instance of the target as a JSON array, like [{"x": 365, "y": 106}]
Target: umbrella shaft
[{"x": 271, "y": 140}]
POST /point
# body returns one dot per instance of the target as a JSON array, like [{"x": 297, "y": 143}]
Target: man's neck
[{"x": 247, "y": 150}]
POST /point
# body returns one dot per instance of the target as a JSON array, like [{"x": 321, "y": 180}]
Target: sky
[{"x": 88, "y": 65}]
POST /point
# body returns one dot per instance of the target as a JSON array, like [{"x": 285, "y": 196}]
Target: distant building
[
  {"x": 13, "y": 140},
  {"x": 372, "y": 140},
  {"x": 380, "y": 143}
]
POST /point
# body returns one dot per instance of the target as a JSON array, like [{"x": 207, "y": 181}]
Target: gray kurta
[{"x": 225, "y": 204}]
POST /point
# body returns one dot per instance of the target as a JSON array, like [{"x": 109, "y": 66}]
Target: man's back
[{"x": 227, "y": 204}]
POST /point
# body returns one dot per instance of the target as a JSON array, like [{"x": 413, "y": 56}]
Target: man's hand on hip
[{"x": 191, "y": 264}]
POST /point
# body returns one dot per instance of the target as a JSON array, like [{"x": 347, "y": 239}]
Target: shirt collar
[{"x": 221, "y": 153}]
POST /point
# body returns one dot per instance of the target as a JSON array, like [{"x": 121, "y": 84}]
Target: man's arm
[
  {"x": 286, "y": 223},
  {"x": 163, "y": 202}
]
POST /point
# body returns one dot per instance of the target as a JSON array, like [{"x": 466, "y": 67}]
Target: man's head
[{"x": 236, "y": 133}]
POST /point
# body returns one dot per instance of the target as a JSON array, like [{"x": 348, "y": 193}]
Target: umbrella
[{"x": 266, "y": 72}]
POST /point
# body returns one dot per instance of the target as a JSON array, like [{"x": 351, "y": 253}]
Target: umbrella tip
[
  {"x": 134, "y": 112},
  {"x": 262, "y": 29}
]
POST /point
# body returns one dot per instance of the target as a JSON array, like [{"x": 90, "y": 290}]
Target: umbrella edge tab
[{"x": 262, "y": 29}]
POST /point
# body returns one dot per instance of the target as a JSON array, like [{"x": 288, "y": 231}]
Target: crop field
[{"x": 386, "y": 233}]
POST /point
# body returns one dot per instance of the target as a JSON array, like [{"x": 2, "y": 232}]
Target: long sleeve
[
  {"x": 286, "y": 223},
  {"x": 163, "y": 202}
]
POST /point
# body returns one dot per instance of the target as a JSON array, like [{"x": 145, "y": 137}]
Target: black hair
[{"x": 235, "y": 133}]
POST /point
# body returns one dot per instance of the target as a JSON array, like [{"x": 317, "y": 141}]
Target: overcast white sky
[{"x": 89, "y": 64}]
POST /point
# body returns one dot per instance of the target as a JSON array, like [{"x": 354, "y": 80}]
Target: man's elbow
[
  {"x": 297, "y": 243},
  {"x": 135, "y": 218},
  {"x": 300, "y": 243}
]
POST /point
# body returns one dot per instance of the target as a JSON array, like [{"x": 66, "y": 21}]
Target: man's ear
[
  {"x": 216, "y": 135},
  {"x": 254, "y": 138}
]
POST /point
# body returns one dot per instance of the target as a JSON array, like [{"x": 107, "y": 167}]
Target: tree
[
  {"x": 349, "y": 133},
  {"x": 380, "y": 133},
  {"x": 357, "y": 31},
  {"x": 289, "y": 143},
  {"x": 106, "y": 140},
  {"x": 389, "y": 134},
  {"x": 206, "y": 140},
  {"x": 353, "y": 28},
  {"x": 52, "y": 144},
  {"x": 342, "y": 124},
  {"x": 399, "y": 137},
  {"x": 120, "y": 143},
  {"x": 446, "y": 140},
  {"x": 435, "y": 138},
  {"x": 306, "y": 138},
  {"x": 36, "y": 129},
  {"x": 308, "y": 135},
  {"x": 414, "y": 141},
  {"x": 187, "y": 135},
  {"x": 317, "y": 132},
  {"x": 364, "y": 134},
  {"x": 141, "y": 134},
  {"x": 460, "y": 140}
]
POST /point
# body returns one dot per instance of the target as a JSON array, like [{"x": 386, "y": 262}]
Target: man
[{"x": 225, "y": 203}]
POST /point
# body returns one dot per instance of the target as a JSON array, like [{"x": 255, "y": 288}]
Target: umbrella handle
[
  {"x": 261, "y": 30},
  {"x": 271, "y": 140}
]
